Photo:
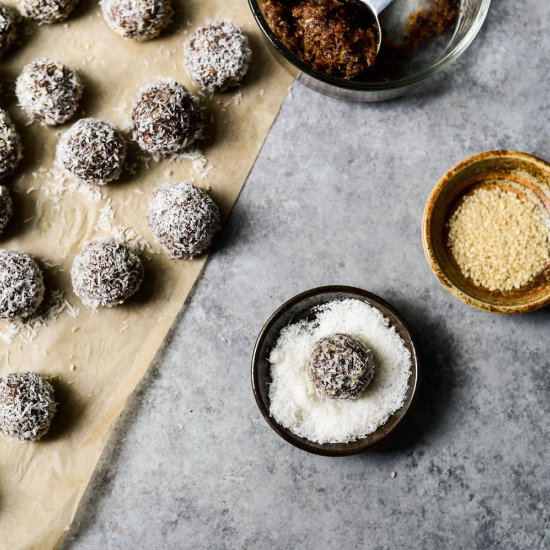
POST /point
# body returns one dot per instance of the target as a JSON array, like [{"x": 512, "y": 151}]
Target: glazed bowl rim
[{"x": 427, "y": 242}]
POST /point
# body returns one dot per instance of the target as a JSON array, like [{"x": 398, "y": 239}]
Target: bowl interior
[
  {"x": 299, "y": 308},
  {"x": 523, "y": 174},
  {"x": 427, "y": 59}
]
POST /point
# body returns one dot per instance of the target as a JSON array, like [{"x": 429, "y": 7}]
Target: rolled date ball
[
  {"x": 46, "y": 11},
  {"x": 6, "y": 207},
  {"x": 106, "y": 273},
  {"x": 21, "y": 285},
  {"x": 141, "y": 20},
  {"x": 167, "y": 118},
  {"x": 11, "y": 151},
  {"x": 217, "y": 56},
  {"x": 183, "y": 219},
  {"x": 48, "y": 91},
  {"x": 27, "y": 406},
  {"x": 340, "y": 367},
  {"x": 8, "y": 30},
  {"x": 92, "y": 151}
]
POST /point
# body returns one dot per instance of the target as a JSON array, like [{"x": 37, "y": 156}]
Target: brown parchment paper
[{"x": 95, "y": 360}]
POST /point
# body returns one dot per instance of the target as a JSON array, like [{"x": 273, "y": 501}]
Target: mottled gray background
[{"x": 336, "y": 196}]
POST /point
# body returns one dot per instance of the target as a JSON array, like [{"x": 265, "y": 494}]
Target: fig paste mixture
[{"x": 339, "y": 37}]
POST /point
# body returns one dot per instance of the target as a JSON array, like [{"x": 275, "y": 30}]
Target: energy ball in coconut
[
  {"x": 218, "y": 56},
  {"x": 8, "y": 31},
  {"x": 6, "y": 207},
  {"x": 48, "y": 91},
  {"x": 138, "y": 19},
  {"x": 21, "y": 285},
  {"x": 340, "y": 367},
  {"x": 92, "y": 151},
  {"x": 27, "y": 406},
  {"x": 11, "y": 151},
  {"x": 167, "y": 118},
  {"x": 183, "y": 219},
  {"x": 46, "y": 11},
  {"x": 106, "y": 273}
]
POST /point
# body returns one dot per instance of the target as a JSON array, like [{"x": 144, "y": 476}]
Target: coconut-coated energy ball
[
  {"x": 340, "y": 367},
  {"x": 8, "y": 28},
  {"x": 138, "y": 19},
  {"x": 217, "y": 56},
  {"x": 27, "y": 406},
  {"x": 48, "y": 91},
  {"x": 167, "y": 117},
  {"x": 11, "y": 151},
  {"x": 21, "y": 285},
  {"x": 106, "y": 273},
  {"x": 92, "y": 151},
  {"x": 6, "y": 207},
  {"x": 183, "y": 219},
  {"x": 46, "y": 11}
]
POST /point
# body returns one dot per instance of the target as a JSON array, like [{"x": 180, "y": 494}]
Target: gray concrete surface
[{"x": 192, "y": 463}]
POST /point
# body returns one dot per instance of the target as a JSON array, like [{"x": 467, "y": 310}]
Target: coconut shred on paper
[{"x": 45, "y": 481}]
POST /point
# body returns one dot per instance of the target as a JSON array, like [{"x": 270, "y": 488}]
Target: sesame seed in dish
[{"x": 499, "y": 239}]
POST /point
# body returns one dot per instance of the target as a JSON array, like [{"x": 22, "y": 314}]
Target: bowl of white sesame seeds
[{"x": 486, "y": 232}]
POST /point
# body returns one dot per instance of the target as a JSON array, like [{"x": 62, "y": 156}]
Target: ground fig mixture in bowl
[
  {"x": 338, "y": 37},
  {"x": 333, "y": 47},
  {"x": 355, "y": 356}
]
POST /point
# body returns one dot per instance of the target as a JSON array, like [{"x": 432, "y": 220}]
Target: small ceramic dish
[
  {"x": 520, "y": 173},
  {"x": 302, "y": 307}
]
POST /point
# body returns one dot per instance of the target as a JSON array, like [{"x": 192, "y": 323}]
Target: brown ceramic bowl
[
  {"x": 521, "y": 173},
  {"x": 301, "y": 307}
]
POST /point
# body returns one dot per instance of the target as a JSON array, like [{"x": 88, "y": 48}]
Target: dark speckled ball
[{"x": 340, "y": 367}]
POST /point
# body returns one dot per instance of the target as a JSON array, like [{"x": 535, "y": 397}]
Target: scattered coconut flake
[{"x": 28, "y": 329}]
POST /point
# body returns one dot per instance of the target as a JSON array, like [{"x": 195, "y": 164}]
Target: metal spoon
[{"x": 376, "y": 7}]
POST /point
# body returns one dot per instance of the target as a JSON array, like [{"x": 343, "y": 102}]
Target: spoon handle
[{"x": 379, "y": 5}]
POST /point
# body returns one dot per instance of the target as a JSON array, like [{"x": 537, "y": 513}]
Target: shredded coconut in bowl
[{"x": 295, "y": 404}]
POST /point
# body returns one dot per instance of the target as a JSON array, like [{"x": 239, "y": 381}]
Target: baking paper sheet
[{"x": 97, "y": 359}]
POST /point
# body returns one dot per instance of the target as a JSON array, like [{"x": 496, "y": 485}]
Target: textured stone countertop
[{"x": 193, "y": 464}]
